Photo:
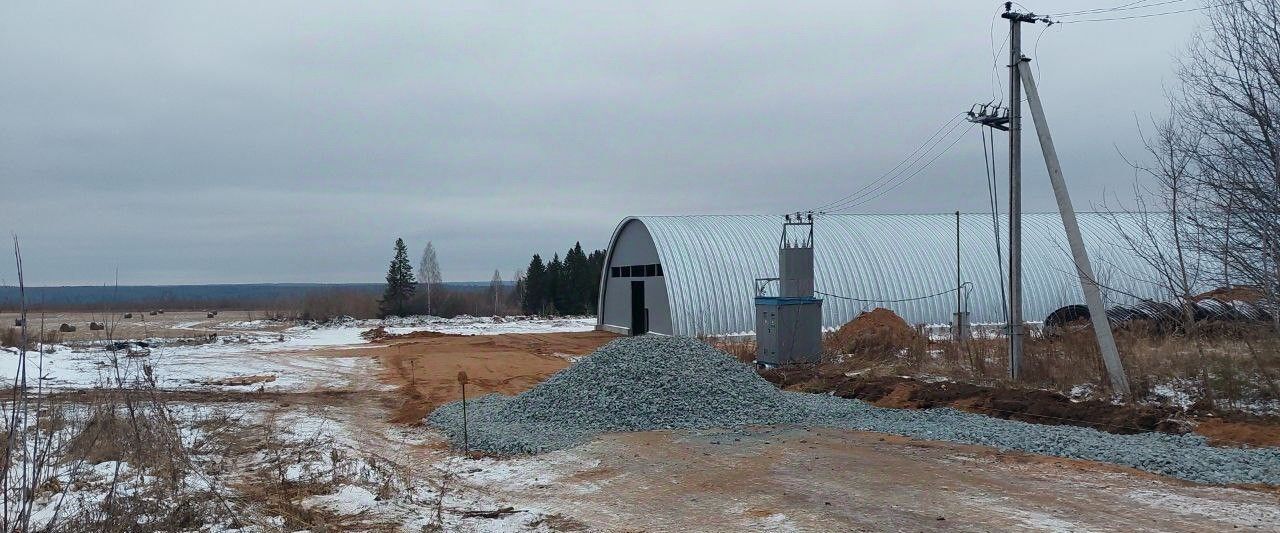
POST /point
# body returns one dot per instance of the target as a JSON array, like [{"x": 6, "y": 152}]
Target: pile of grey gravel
[{"x": 654, "y": 382}]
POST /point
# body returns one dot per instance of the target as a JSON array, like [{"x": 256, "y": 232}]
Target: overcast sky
[{"x": 226, "y": 142}]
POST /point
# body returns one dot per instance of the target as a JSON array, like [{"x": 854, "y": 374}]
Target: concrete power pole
[
  {"x": 1019, "y": 77},
  {"x": 1016, "y": 329},
  {"x": 1088, "y": 281}
]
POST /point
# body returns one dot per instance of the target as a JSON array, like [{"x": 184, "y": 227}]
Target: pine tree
[
  {"x": 400, "y": 284},
  {"x": 535, "y": 287},
  {"x": 555, "y": 286}
]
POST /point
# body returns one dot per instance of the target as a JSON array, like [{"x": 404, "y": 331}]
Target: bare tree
[
  {"x": 1226, "y": 126},
  {"x": 429, "y": 274},
  {"x": 495, "y": 291},
  {"x": 1161, "y": 231}
]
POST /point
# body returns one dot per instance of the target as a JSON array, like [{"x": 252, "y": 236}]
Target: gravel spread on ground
[{"x": 655, "y": 382}]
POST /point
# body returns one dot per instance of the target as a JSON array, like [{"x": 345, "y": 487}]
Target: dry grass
[
  {"x": 1221, "y": 367},
  {"x": 12, "y": 337},
  {"x": 742, "y": 350}
]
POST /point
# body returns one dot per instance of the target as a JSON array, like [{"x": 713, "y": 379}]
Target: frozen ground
[
  {"x": 320, "y": 459},
  {"x": 256, "y": 355},
  {"x": 487, "y": 325}
]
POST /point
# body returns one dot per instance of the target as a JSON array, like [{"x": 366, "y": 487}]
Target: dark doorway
[{"x": 639, "y": 315}]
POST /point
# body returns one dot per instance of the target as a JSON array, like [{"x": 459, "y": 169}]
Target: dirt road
[{"x": 771, "y": 479}]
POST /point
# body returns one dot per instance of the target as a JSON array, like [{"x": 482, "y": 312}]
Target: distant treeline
[
  {"x": 562, "y": 287},
  {"x": 288, "y": 298}
]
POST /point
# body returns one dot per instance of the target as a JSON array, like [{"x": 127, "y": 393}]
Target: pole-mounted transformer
[{"x": 789, "y": 324}]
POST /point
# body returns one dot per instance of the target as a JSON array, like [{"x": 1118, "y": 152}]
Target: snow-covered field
[
  {"x": 357, "y": 468},
  {"x": 248, "y": 355},
  {"x": 486, "y": 325}
]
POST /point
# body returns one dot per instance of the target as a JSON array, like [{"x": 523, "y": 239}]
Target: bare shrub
[
  {"x": 742, "y": 350},
  {"x": 323, "y": 304}
]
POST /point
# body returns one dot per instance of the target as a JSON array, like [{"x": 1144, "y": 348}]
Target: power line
[
  {"x": 890, "y": 179},
  {"x": 896, "y": 181},
  {"x": 1123, "y": 7},
  {"x": 895, "y": 168},
  {"x": 867, "y": 198},
  {"x": 910, "y": 160},
  {"x": 1149, "y": 15},
  {"x": 893, "y": 301},
  {"x": 993, "y": 195},
  {"x": 996, "y": 88},
  {"x": 1035, "y": 50}
]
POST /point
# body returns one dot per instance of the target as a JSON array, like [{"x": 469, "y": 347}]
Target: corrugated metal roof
[{"x": 711, "y": 261}]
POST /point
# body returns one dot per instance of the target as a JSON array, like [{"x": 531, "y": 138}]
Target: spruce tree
[
  {"x": 400, "y": 284},
  {"x": 577, "y": 286},
  {"x": 555, "y": 286},
  {"x": 535, "y": 287}
]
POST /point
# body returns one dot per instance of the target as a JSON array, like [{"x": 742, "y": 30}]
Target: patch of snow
[
  {"x": 1167, "y": 393},
  {"x": 1235, "y": 513},
  {"x": 349, "y": 500},
  {"x": 1082, "y": 391},
  {"x": 246, "y": 324}
]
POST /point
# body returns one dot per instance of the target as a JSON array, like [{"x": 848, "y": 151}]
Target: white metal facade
[{"x": 710, "y": 262}]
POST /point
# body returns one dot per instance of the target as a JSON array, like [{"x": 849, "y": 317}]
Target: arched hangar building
[{"x": 695, "y": 275}]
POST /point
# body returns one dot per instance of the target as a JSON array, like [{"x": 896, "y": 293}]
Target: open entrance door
[{"x": 639, "y": 314}]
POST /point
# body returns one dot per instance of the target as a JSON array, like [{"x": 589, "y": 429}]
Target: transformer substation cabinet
[{"x": 789, "y": 324}]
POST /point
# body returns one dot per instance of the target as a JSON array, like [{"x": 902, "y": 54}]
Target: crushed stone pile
[
  {"x": 653, "y": 382},
  {"x": 630, "y": 384}
]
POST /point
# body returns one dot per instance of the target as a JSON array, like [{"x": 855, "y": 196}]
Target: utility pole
[
  {"x": 1088, "y": 281},
  {"x": 1020, "y": 77},
  {"x": 1016, "y": 329}
]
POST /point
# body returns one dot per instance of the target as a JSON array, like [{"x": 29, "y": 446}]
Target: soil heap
[{"x": 878, "y": 333}]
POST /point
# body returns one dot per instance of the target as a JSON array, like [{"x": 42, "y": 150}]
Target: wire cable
[
  {"x": 885, "y": 190},
  {"x": 1123, "y": 7},
  {"x": 1035, "y": 50},
  {"x": 894, "y": 180},
  {"x": 927, "y": 143},
  {"x": 997, "y": 88},
  {"x": 993, "y": 195},
  {"x": 898, "y": 300},
  {"x": 1149, "y": 15}
]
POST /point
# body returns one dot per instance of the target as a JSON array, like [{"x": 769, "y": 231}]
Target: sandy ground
[
  {"x": 424, "y": 370},
  {"x": 372, "y": 396},
  {"x": 829, "y": 480}
]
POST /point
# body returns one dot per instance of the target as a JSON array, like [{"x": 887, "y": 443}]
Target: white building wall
[{"x": 632, "y": 246}]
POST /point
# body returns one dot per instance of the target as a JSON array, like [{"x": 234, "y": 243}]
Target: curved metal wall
[{"x": 711, "y": 261}]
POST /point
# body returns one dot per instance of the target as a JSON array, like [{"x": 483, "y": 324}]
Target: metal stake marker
[{"x": 462, "y": 380}]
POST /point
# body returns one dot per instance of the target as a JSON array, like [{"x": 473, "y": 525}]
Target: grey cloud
[{"x": 293, "y": 141}]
